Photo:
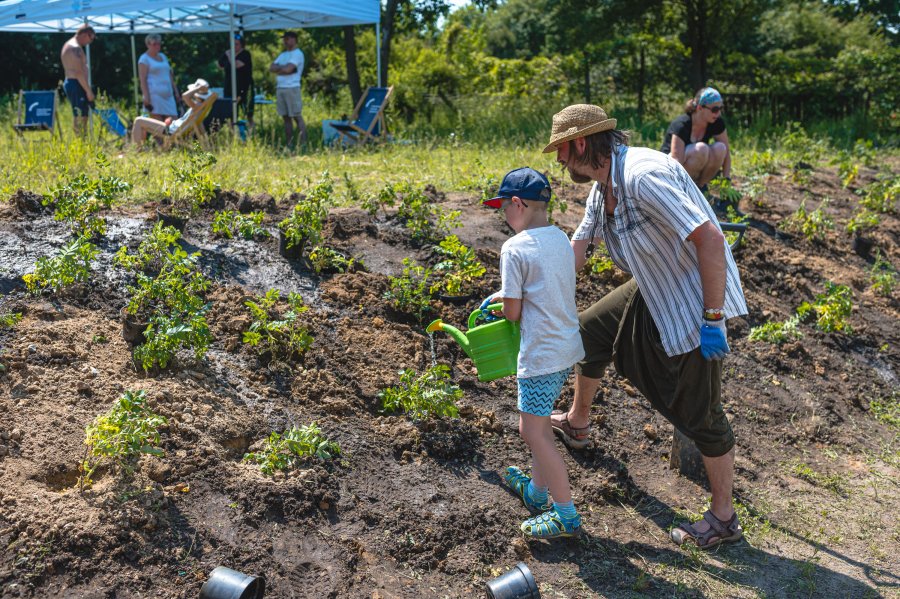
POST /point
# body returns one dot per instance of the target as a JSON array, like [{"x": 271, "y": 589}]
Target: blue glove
[
  {"x": 487, "y": 314},
  {"x": 713, "y": 339}
]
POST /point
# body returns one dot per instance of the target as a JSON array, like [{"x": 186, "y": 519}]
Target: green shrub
[
  {"x": 863, "y": 220},
  {"x": 194, "y": 185},
  {"x": 293, "y": 448},
  {"x": 304, "y": 225},
  {"x": 325, "y": 259},
  {"x": 281, "y": 337},
  {"x": 424, "y": 396},
  {"x": 168, "y": 333},
  {"x": 812, "y": 225},
  {"x": 460, "y": 269},
  {"x": 881, "y": 195},
  {"x": 121, "y": 435},
  {"x": 762, "y": 163},
  {"x": 152, "y": 252},
  {"x": 71, "y": 265},
  {"x": 830, "y": 309},
  {"x": 883, "y": 277},
  {"x": 10, "y": 319},
  {"x": 78, "y": 200},
  {"x": 229, "y": 223},
  {"x": 725, "y": 190},
  {"x": 385, "y": 198},
  {"x": 425, "y": 220},
  {"x": 410, "y": 293},
  {"x": 777, "y": 332},
  {"x": 600, "y": 262},
  {"x": 178, "y": 288}
]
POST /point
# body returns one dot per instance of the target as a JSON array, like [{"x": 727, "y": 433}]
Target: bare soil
[{"x": 417, "y": 509}]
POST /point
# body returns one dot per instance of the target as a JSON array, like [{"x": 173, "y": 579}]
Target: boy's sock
[
  {"x": 566, "y": 510},
  {"x": 537, "y": 494}
]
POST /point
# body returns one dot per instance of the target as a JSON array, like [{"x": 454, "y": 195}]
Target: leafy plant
[
  {"x": 167, "y": 333},
  {"x": 481, "y": 181},
  {"x": 71, "y": 265},
  {"x": 410, "y": 293},
  {"x": 830, "y": 309},
  {"x": 152, "y": 252},
  {"x": 229, "y": 223},
  {"x": 325, "y": 259},
  {"x": 600, "y": 262},
  {"x": 460, "y": 268},
  {"x": 385, "y": 198},
  {"x": 281, "y": 337},
  {"x": 78, "y": 200},
  {"x": 883, "y": 276},
  {"x": 423, "y": 218},
  {"x": 195, "y": 187},
  {"x": 10, "y": 319},
  {"x": 777, "y": 332},
  {"x": 881, "y": 195},
  {"x": 887, "y": 409},
  {"x": 863, "y": 220},
  {"x": 304, "y": 225},
  {"x": 295, "y": 446},
  {"x": 762, "y": 163},
  {"x": 121, "y": 435},
  {"x": 424, "y": 396},
  {"x": 813, "y": 225},
  {"x": 177, "y": 288},
  {"x": 725, "y": 190},
  {"x": 353, "y": 195}
]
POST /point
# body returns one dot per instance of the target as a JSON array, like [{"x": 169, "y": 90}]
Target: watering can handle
[{"x": 473, "y": 317}]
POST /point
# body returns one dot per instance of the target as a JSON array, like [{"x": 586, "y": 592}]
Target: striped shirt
[{"x": 658, "y": 206}]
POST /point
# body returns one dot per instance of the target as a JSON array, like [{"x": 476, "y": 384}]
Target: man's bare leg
[
  {"x": 301, "y": 127},
  {"x": 579, "y": 414},
  {"x": 288, "y": 131}
]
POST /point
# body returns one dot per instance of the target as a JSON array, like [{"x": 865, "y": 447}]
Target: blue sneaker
[
  {"x": 518, "y": 482},
  {"x": 550, "y": 525}
]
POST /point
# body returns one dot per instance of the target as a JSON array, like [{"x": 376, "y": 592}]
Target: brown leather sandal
[
  {"x": 719, "y": 532},
  {"x": 576, "y": 438}
]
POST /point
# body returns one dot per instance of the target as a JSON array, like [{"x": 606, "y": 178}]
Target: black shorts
[
  {"x": 685, "y": 389},
  {"x": 76, "y": 96}
]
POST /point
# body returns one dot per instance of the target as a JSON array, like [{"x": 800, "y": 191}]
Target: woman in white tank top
[{"x": 157, "y": 82}]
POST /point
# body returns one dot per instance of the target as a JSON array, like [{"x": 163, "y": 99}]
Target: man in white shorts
[{"x": 287, "y": 68}]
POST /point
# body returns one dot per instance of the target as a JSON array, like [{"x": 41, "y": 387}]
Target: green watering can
[{"x": 494, "y": 347}]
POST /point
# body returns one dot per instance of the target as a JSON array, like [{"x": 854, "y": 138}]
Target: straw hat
[{"x": 578, "y": 120}]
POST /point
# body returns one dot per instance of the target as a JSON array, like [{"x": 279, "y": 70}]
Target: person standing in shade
[
  {"x": 664, "y": 330},
  {"x": 74, "y": 61},
  {"x": 287, "y": 68},
  {"x": 697, "y": 139},
  {"x": 243, "y": 66},
  {"x": 157, "y": 81}
]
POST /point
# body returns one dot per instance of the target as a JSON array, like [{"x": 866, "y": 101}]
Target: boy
[{"x": 537, "y": 268}]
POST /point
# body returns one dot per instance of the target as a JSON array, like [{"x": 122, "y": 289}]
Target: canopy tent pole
[
  {"x": 90, "y": 114},
  {"x": 233, "y": 66},
  {"x": 134, "y": 71},
  {"x": 378, "y": 51}
]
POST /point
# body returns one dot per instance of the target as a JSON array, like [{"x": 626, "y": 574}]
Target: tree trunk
[
  {"x": 352, "y": 69},
  {"x": 587, "y": 79},
  {"x": 697, "y": 13},
  {"x": 387, "y": 30}
]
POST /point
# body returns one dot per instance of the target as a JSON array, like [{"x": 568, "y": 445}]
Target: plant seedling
[
  {"x": 325, "y": 259},
  {"x": 153, "y": 251},
  {"x": 424, "y": 396},
  {"x": 460, "y": 268},
  {"x": 229, "y": 223},
  {"x": 281, "y": 338},
  {"x": 292, "y": 448},
  {"x": 830, "y": 309},
  {"x": 883, "y": 276},
  {"x": 167, "y": 333},
  {"x": 194, "y": 186},
  {"x": 121, "y": 435},
  {"x": 410, "y": 293},
  {"x": 304, "y": 225},
  {"x": 813, "y": 225},
  {"x": 71, "y": 265},
  {"x": 777, "y": 332},
  {"x": 10, "y": 319}
]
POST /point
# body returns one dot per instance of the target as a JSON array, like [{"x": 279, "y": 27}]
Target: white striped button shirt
[{"x": 658, "y": 206}]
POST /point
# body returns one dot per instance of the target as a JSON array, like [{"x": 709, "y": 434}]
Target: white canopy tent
[{"x": 186, "y": 16}]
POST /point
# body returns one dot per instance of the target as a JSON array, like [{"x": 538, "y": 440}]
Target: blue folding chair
[
  {"x": 367, "y": 121},
  {"x": 112, "y": 121},
  {"x": 36, "y": 112}
]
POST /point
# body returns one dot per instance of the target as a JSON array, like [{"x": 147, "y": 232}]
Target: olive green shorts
[{"x": 685, "y": 389}]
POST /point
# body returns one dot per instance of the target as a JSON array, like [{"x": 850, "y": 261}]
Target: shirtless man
[{"x": 76, "y": 86}]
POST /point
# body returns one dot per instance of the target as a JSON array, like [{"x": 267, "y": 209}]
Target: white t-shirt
[
  {"x": 294, "y": 57},
  {"x": 538, "y": 267}
]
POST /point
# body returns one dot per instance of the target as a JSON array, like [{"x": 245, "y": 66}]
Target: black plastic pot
[
  {"x": 863, "y": 245},
  {"x": 132, "y": 329},
  {"x": 518, "y": 583},
  {"x": 225, "y": 583},
  {"x": 295, "y": 252},
  {"x": 170, "y": 220},
  {"x": 456, "y": 299}
]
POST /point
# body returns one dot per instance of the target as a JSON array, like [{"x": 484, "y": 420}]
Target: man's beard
[{"x": 578, "y": 177}]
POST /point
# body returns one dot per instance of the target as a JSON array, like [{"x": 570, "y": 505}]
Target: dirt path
[{"x": 417, "y": 509}]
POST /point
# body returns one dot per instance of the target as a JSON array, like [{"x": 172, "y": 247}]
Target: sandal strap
[
  {"x": 578, "y": 431},
  {"x": 722, "y": 529}
]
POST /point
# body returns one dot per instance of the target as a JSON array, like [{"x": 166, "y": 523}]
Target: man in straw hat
[{"x": 665, "y": 329}]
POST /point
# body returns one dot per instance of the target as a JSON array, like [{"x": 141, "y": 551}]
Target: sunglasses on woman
[{"x": 714, "y": 109}]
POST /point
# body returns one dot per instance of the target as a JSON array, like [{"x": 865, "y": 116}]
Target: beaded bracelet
[{"x": 713, "y": 314}]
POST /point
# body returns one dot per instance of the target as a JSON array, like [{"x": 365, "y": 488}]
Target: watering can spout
[{"x": 458, "y": 335}]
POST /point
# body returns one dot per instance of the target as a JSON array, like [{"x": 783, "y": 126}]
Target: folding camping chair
[
  {"x": 112, "y": 122},
  {"x": 36, "y": 112},
  {"x": 367, "y": 121},
  {"x": 193, "y": 125}
]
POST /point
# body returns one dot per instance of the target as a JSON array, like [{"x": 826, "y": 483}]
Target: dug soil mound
[{"x": 417, "y": 508}]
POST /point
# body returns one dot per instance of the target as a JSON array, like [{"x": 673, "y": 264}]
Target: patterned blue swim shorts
[{"x": 537, "y": 394}]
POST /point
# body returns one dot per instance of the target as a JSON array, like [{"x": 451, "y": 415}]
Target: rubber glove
[
  {"x": 713, "y": 339},
  {"x": 487, "y": 314}
]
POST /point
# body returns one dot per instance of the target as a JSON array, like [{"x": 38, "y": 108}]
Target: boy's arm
[{"x": 512, "y": 308}]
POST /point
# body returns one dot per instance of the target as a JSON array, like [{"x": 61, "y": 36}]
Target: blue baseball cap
[
  {"x": 525, "y": 183},
  {"x": 708, "y": 95}
]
